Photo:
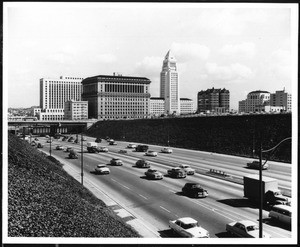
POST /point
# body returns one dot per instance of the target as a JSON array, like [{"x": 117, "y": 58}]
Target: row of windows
[{"x": 117, "y": 88}]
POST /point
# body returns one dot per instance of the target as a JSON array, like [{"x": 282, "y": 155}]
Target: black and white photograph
[{"x": 150, "y": 123}]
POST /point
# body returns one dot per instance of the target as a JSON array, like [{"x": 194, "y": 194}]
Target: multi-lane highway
[{"x": 157, "y": 202}]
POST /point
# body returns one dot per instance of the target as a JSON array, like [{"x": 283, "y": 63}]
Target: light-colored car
[
  {"x": 116, "y": 162},
  {"x": 131, "y": 145},
  {"x": 167, "y": 150},
  {"x": 59, "y": 147},
  {"x": 188, "y": 169},
  {"x": 244, "y": 229},
  {"x": 102, "y": 169},
  {"x": 103, "y": 149},
  {"x": 153, "y": 174},
  {"x": 255, "y": 165},
  {"x": 188, "y": 227},
  {"x": 151, "y": 153}
]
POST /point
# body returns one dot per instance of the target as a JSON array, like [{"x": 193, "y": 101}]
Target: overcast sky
[{"x": 239, "y": 47}]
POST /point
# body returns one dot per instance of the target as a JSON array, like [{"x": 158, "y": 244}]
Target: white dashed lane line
[
  {"x": 120, "y": 184},
  {"x": 143, "y": 197},
  {"x": 165, "y": 209}
]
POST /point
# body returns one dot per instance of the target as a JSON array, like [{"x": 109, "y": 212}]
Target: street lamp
[{"x": 261, "y": 192}]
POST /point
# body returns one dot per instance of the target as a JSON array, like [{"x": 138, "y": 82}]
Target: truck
[
  {"x": 92, "y": 147},
  {"x": 271, "y": 194}
]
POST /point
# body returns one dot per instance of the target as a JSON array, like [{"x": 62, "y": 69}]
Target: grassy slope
[{"x": 44, "y": 201}]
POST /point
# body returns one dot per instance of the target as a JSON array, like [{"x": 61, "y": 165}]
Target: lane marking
[
  {"x": 120, "y": 184},
  {"x": 165, "y": 209},
  {"x": 143, "y": 197}
]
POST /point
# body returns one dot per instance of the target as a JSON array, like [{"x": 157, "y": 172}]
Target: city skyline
[{"x": 240, "y": 47}]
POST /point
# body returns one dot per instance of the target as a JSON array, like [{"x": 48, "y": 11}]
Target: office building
[
  {"x": 255, "y": 102},
  {"x": 213, "y": 100},
  {"x": 282, "y": 99},
  {"x": 53, "y": 95},
  {"x": 169, "y": 85},
  {"x": 76, "y": 110},
  {"x": 116, "y": 96},
  {"x": 157, "y": 106},
  {"x": 186, "y": 106}
]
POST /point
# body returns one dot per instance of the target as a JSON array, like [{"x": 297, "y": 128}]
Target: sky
[{"x": 240, "y": 47}]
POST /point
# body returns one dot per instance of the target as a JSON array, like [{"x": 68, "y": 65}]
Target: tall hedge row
[{"x": 234, "y": 135}]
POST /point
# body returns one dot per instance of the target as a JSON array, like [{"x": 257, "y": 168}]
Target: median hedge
[
  {"x": 44, "y": 201},
  {"x": 233, "y": 135}
]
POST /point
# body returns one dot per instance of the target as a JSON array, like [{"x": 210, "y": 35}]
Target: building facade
[
  {"x": 117, "y": 96},
  {"x": 76, "y": 110},
  {"x": 282, "y": 99},
  {"x": 255, "y": 102},
  {"x": 157, "y": 106},
  {"x": 186, "y": 106},
  {"x": 213, "y": 100},
  {"x": 54, "y": 93},
  {"x": 169, "y": 85}
]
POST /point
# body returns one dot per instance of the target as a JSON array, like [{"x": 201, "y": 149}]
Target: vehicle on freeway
[
  {"x": 188, "y": 169},
  {"x": 40, "y": 145},
  {"x": 153, "y": 174},
  {"x": 33, "y": 143},
  {"x": 68, "y": 149},
  {"x": 188, "y": 227},
  {"x": 65, "y": 138},
  {"x": 71, "y": 139},
  {"x": 116, "y": 162},
  {"x": 92, "y": 147},
  {"x": 167, "y": 150},
  {"x": 122, "y": 151},
  {"x": 47, "y": 136},
  {"x": 176, "y": 172},
  {"x": 83, "y": 138},
  {"x": 141, "y": 148},
  {"x": 59, "y": 147},
  {"x": 194, "y": 190},
  {"x": 73, "y": 155},
  {"x": 131, "y": 145},
  {"x": 244, "y": 229},
  {"x": 255, "y": 165},
  {"x": 112, "y": 143},
  {"x": 98, "y": 140},
  {"x": 142, "y": 163},
  {"x": 36, "y": 139},
  {"x": 281, "y": 213},
  {"x": 110, "y": 140},
  {"x": 76, "y": 140},
  {"x": 103, "y": 149},
  {"x": 151, "y": 153},
  {"x": 102, "y": 169}
]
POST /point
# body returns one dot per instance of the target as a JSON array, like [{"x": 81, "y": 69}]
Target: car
[
  {"x": 36, "y": 139},
  {"x": 116, "y": 162},
  {"x": 141, "y": 148},
  {"x": 188, "y": 227},
  {"x": 142, "y": 163},
  {"x": 167, "y": 150},
  {"x": 33, "y": 143},
  {"x": 49, "y": 141},
  {"x": 176, "y": 172},
  {"x": 39, "y": 145},
  {"x": 83, "y": 138},
  {"x": 194, "y": 190},
  {"x": 122, "y": 151},
  {"x": 187, "y": 169},
  {"x": 153, "y": 174},
  {"x": 71, "y": 139},
  {"x": 102, "y": 149},
  {"x": 76, "y": 140},
  {"x": 73, "y": 155},
  {"x": 65, "y": 138},
  {"x": 59, "y": 147},
  {"x": 244, "y": 229},
  {"x": 131, "y": 145},
  {"x": 112, "y": 143},
  {"x": 151, "y": 153},
  {"x": 68, "y": 149},
  {"x": 255, "y": 165},
  {"x": 47, "y": 136},
  {"x": 98, "y": 140},
  {"x": 102, "y": 169}
]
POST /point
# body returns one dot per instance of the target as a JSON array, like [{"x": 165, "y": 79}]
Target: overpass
[{"x": 46, "y": 127}]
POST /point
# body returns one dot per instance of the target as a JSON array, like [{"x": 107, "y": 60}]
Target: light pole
[
  {"x": 81, "y": 159},
  {"x": 261, "y": 192}
]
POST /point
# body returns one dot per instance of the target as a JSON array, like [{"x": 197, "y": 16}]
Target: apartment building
[
  {"x": 117, "y": 96},
  {"x": 213, "y": 100}
]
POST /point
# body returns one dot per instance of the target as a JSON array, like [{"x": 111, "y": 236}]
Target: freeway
[{"x": 157, "y": 202}]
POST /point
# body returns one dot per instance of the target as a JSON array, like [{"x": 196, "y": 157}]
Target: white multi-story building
[
  {"x": 169, "y": 85},
  {"x": 117, "y": 96},
  {"x": 157, "y": 106},
  {"x": 186, "y": 106},
  {"x": 282, "y": 99},
  {"x": 255, "y": 102},
  {"x": 76, "y": 110},
  {"x": 54, "y": 93}
]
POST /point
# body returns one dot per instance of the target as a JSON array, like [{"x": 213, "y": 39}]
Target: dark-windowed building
[
  {"x": 213, "y": 100},
  {"x": 117, "y": 96}
]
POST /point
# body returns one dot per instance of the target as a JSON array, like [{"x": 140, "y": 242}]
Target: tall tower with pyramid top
[{"x": 169, "y": 85}]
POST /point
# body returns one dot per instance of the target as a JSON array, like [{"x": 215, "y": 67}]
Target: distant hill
[
  {"x": 44, "y": 201},
  {"x": 233, "y": 135}
]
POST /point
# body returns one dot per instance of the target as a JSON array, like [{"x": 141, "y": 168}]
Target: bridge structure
[{"x": 50, "y": 127}]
